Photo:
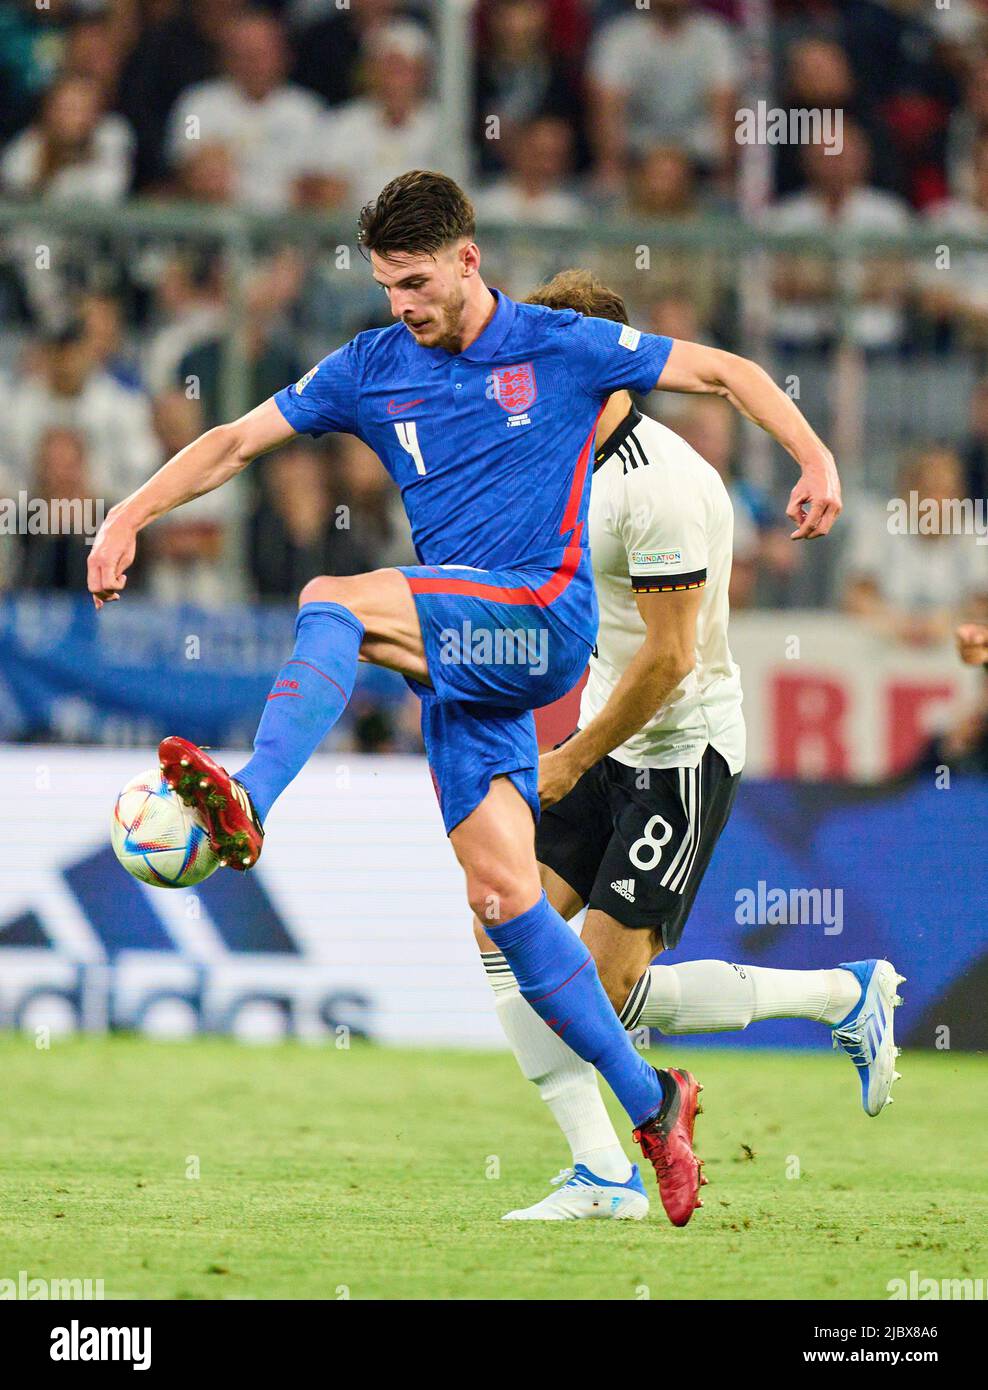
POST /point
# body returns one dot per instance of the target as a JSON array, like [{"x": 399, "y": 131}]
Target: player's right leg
[
  {"x": 602, "y": 1182},
  {"x": 557, "y": 977},
  {"x": 495, "y": 846},
  {"x": 667, "y": 1137},
  {"x": 340, "y": 621}
]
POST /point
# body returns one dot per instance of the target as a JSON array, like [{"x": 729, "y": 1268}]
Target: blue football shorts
[{"x": 497, "y": 650}]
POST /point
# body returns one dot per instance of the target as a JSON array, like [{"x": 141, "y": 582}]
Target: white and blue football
[{"x": 157, "y": 838}]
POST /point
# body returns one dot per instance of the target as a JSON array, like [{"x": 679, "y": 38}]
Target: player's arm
[
  {"x": 202, "y": 466},
  {"x": 664, "y": 659},
  {"x": 815, "y": 501}
]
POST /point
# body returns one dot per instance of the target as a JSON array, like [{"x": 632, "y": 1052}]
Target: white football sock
[
  {"x": 713, "y": 996},
  {"x": 566, "y": 1083}
]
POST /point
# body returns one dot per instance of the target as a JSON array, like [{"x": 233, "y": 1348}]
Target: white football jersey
[{"x": 661, "y": 520}]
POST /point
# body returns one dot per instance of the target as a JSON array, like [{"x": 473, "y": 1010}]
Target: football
[{"x": 157, "y": 838}]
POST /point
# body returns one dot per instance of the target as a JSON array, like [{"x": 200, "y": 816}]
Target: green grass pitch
[{"x": 381, "y": 1173}]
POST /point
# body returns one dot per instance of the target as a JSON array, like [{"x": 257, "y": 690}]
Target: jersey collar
[
  {"x": 484, "y": 348},
  {"x": 617, "y": 437}
]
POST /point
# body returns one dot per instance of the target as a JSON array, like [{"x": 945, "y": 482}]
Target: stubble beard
[{"x": 450, "y": 336}]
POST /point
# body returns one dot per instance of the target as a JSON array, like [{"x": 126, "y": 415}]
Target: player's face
[{"x": 427, "y": 293}]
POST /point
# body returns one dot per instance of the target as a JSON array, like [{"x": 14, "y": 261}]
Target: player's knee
[
  {"x": 349, "y": 591},
  {"x": 488, "y": 900},
  {"x": 325, "y": 588},
  {"x": 370, "y": 597},
  {"x": 496, "y": 896}
]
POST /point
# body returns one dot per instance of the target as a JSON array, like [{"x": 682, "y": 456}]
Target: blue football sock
[
  {"x": 557, "y": 975},
  {"x": 309, "y": 694}
]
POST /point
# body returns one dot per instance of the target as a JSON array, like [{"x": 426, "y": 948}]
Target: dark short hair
[
  {"x": 582, "y": 291},
  {"x": 418, "y": 213}
]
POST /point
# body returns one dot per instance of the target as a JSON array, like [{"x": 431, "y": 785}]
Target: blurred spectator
[
  {"x": 974, "y": 450},
  {"x": 539, "y": 155},
  {"x": 519, "y": 76},
  {"x": 956, "y": 294},
  {"x": 904, "y": 85},
  {"x": 60, "y": 475},
  {"x": 972, "y": 643},
  {"x": 298, "y": 529},
  {"x": 916, "y": 123},
  {"x": 964, "y": 744},
  {"x": 96, "y": 48},
  {"x": 181, "y": 45},
  {"x": 377, "y": 516},
  {"x": 395, "y": 127},
  {"x": 914, "y": 587},
  {"x": 190, "y": 308},
  {"x": 68, "y": 389},
  {"x": 208, "y": 175},
  {"x": 185, "y": 548},
  {"x": 677, "y": 316},
  {"x": 819, "y": 77},
  {"x": 270, "y": 126},
  {"x": 74, "y": 151},
  {"x": 102, "y": 321},
  {"x": 31, "y": 44},
  {"x": 663, "y": 184},
  {"x": 960, "y": 29},
  {"x": 764, "y": 557},
  {"x": 668, "y": 76},
  {"x": 330, "y": 44},
  {"x": 968, "y": 128},
  {"x": 891, "y": 50},
  {"x": 272, "y": 362},
  {"x": 808, "y": 287}
]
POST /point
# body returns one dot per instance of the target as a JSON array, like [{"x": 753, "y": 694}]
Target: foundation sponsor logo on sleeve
[{"x": 656, "y": 557}]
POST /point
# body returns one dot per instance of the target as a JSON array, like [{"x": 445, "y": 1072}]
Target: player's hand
[
  {"x": 972, "y": 643},
  {"x": 557, "y": 774},
  {"x": 815, "y": 502},
  {"x": 111, "y": 556}
]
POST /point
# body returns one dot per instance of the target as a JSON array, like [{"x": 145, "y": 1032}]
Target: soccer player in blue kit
[{"x": 483, "y": 412}]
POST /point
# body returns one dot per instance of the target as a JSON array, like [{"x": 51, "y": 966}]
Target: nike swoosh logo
[{"x": 396, "y": 407}]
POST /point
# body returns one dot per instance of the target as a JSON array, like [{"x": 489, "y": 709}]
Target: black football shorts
[{"x": 635, "y": 842}]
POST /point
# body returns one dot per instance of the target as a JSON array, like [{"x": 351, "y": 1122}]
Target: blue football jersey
[{"x": 491, "y": 448}]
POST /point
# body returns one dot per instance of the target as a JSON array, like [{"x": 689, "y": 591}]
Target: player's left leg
[
  {"x": 663, "y": 843},
  {"x": 340, "y": 620},
  {"x": 855, "y": 1000}
]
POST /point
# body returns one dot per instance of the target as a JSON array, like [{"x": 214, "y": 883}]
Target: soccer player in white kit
[{"x": 634, "y": 802}]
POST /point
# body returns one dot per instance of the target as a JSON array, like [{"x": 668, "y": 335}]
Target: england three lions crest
[{"x": 514, "y": 387}]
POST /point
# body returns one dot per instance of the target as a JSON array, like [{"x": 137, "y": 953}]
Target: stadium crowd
[{"x": 585, "y": 110}]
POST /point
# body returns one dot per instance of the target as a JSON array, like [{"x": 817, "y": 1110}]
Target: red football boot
[
  {"x": 234, "y": 830},
  {"x": 667, "y": 1143}
]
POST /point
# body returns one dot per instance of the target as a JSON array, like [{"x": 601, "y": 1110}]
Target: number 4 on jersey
[{"x": 408, "y": 439}]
